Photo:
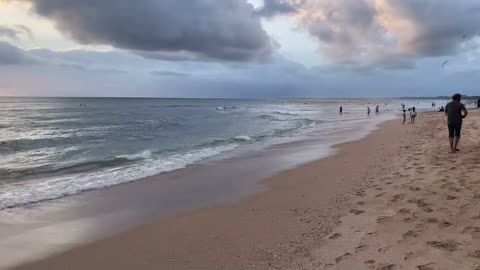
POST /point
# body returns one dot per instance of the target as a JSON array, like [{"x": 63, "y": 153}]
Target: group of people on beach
[
  {"x": 455, "y": 111},
  {"x": 377, "y": 110},
  {"x": 413, "y": 114}
]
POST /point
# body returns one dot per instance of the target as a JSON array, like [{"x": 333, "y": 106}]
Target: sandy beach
[{"x": 393, "y": 200}]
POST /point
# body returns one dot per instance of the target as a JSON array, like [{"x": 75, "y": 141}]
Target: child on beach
[{"x": 413, "y": 115}]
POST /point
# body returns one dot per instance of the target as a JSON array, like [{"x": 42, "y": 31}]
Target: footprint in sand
[
  {"x": 329, "y": 266},
  {"x": 474, "y": 231},
  {"x": 415, "y": 188},
  {"x": 408, "y": 220},
  {"x": 475, "y": 254},
  {"x": 432, "y": 220},
  {"x": 410, "y": 234},
  {"x": 451, "y": 197},
  {"x": 449, "y": 245},
  {"x": 397, "y": 198},
  {"x": 444, "y": 224},
  {"x": 335, "y": 236},
  {"x": 386, "y": 267},
  {"x": 412, "y": 255},
  {"x": 428, "y": 266},
  {"x": 360, "y": 193},
  {"x": 345, "y": 256},
  {"x": 381, "y": 219},
  {"x": 370, "y": 264},
  {"x": 357, "y": 212},
  {"x": 360, "y": 248},
  {"x": 426, "y": 209},
  {"x": 404, "y": 211}
]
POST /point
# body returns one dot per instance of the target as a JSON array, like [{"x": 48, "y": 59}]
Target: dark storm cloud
[
  {"x": 271, "y": 8},
  {"x": 11, "y": 55},
  {"x": 170, "y": 74},
  {"x": 84, "y": 68},
  {"x": 440, "y": 26},
  {"x": 225, "y": 30},
  {"x": 387, "y": 33},
  {"x": 15, "y": 32}
]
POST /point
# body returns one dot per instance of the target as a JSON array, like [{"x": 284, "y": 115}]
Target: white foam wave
[
  {"x": 23, "y": 193},
  {"x": 243, "y": 138},
  {"x": 142, "y": 155}
]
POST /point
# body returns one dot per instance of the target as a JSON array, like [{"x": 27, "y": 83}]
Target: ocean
[{"x": 56, "y": 147}]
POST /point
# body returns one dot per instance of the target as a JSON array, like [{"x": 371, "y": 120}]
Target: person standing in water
[
  {"x": 341, "y": 109},
  {"x": 453, "y": 111},
  {"x": 368, "y": 111},
  {"x": 377, "y": 110},
  {"x": 404, "y": 116}
]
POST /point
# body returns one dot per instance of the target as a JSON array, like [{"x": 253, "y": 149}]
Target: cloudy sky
[{"x": 239, "y": 48}]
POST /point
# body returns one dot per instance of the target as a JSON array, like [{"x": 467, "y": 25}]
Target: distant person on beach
[
  {"x": 368, "y": 111},
  {"x": 453, "y": 111},
  {"x": 403, "y": 106},
  {"x": 377, "y": 110},
  {"x": 341, "y": 109},
  {"x": 413, "y": 115},
  {"x": 404, "y": 116}
]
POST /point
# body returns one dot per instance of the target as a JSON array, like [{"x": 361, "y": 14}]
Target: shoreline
[
  {"x": 54, "y": 226},
  {"x": 294, "y": 208}
]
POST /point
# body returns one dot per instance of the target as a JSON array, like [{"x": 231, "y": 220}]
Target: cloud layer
[
  {"x": 11, "y": 55},
  {"x": 271, "y": 8},
  {"x": 168, "y": 29},
  {"x": 15, "y": 32},
  {"x": 386, "y": 33}
]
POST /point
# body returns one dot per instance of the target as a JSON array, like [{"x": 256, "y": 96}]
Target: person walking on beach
[
  {"x": 413, "y": 115},
  {"x": 453, "y": 111},
  {"x": 404, "y": 116}
]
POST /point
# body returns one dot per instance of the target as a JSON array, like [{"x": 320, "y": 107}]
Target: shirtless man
[{"x": 453, "y": 111}]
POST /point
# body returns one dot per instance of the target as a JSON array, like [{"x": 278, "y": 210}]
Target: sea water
[{"x": 56, "y": 147}]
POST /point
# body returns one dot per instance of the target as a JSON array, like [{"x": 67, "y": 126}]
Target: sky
[{"x": 239, "y": 48}]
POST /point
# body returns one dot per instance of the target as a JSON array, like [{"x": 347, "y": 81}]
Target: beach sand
[
  {"x": 393, "y": 200},
  {"x": 424, "y": 214}
]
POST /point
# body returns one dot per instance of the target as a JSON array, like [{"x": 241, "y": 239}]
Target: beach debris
[{"x": 445, "y": 63}]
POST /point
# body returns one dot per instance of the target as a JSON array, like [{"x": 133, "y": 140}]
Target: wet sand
[
  {"x": 279, "y": 228},
  {"x": 37, "y": 231}
]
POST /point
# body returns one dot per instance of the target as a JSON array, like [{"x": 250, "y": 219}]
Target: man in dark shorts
[{"x": 453, "y": 111}]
